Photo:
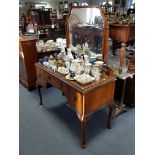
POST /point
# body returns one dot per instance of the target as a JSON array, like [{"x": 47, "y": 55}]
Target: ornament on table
[
  {"x": 51, "y": 56},
  {"x": 46, "y": 58},
  {"x": 74, "y": 49},
  {"x": 69, "y": 54},
  {"x": 53, "y": 67},
  {"x": 85, "y": 48}
]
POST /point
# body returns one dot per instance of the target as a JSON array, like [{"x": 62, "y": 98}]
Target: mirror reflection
[{"x": 85, "y": 30}]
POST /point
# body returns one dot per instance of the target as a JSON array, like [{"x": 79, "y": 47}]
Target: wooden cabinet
[{"x": 27, "y": 58}]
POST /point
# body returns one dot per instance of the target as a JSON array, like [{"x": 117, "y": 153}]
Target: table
[
  {"x": 83, "y": 99},
  {"x": 123, "y": 33}
]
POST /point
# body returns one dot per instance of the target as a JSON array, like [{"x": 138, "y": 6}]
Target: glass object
[
  {"x": 66, "y": 8},
  {"x": 97, "y": 76},
  {"x": 75, "y": 4},
  {"x": 66, "y": 5},
  {"x": 86, "y": 26},
  {"x": 61, "y": 7},
  {"x": 87, "y": 68},
  {"x": 95, "y": 70},
  {"x": 125, "y": 67}
]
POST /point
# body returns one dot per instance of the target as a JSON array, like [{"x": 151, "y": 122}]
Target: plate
[
  {"x": 69, "y": 78},
  {"x": 63, "y": 70},
  {"x": 84, "y": 78}
]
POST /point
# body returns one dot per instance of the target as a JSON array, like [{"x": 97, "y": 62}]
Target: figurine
[{"x": 85, "y": 48}]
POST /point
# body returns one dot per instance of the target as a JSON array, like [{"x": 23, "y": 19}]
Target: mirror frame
[{"x": 105, "y": 33}]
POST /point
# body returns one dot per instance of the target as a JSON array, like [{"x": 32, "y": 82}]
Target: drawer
[
  {"x": 75, "y": 100},
  {"x": 57, "y": 83},
  {"x": 53, "y": 81}
]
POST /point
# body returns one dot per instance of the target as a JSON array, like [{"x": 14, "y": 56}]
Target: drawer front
[
  {"x": 57, "y": 83},
  {"x": 99, "y": 97},
  {"x": 75, "y": 100},
  {"x": 53, "y": 81},
  {"x": 72, "y": 98}
]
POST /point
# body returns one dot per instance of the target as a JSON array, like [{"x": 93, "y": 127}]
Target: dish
[
  {"x": 84, "y": 78},
  {"x": 92, "y": 59},
  {"x": 100, "y": 63},
  {"x": 46, "y": 64},
  {"x": 63, "y": 70},
  {"x": 69, "y": 78}
]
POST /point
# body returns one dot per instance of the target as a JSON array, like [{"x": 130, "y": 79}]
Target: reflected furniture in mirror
[{"x": 87, "y": 25}]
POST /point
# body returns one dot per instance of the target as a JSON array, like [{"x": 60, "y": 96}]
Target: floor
[{"x": 53, "y": 129}]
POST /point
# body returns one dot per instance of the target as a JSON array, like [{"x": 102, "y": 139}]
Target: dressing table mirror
[{"x": 87, "y": 30}]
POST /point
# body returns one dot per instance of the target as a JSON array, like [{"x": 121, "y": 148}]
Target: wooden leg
[
  {"x": 111, "y": 110},
  {"x": 123, "y": 92},
  {"x": 39, "y": 91},
  {"x": 83, "y": 129},
  {"x": 121, "y": 108},
  {"x": 122, "y": 56},
  {"x": 83, "y": 122}
]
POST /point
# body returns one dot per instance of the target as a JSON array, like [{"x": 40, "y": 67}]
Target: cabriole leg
[
  {"x": 39, "y": 92},
  {"x": 111, "y": 111},
  {"x": 83, "y": 122}
]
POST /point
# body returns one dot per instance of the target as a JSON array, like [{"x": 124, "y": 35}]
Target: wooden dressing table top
[{"x": 81, "y": 88}]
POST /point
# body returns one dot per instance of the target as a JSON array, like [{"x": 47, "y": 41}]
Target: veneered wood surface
[
  {"x": 122, "y": 32},
  {"x": 28, "y": 52},
  {"x": 82, "y": 88}
]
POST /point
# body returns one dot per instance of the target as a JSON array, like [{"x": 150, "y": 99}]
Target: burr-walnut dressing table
[{"x": 83, "y": 99}]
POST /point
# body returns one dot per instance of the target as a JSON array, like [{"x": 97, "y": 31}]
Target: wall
[
  {"x": 50, "y": 4},
  {"x": 86, "y": 14}
]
